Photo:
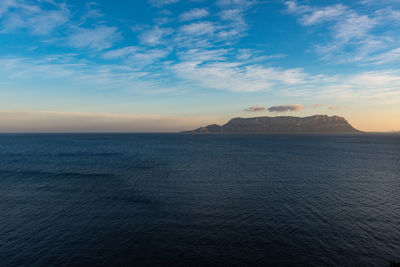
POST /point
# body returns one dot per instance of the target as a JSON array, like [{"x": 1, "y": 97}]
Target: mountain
[{"x": 282, "y": 124}]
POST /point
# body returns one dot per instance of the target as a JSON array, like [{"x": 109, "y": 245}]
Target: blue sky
[{"x": 166, "y": 65}]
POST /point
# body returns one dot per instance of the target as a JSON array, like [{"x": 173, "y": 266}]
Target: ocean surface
[{"x": 203, "y": 200}]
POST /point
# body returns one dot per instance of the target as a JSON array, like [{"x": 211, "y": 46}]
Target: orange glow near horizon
[{"x": 11, "y": 121}]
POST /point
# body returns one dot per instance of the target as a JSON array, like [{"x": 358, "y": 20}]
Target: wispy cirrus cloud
[
  {"x": 121, "y": 52},
  {"x": 233, "y": 12},
  {"x": 324, "y": 14},
  {"x": 72, "y": 72},
  {"x": 380, "y": 86},
  {"x": 196, "y": 35},
  {"x": 20, "y": 15},
  {"x": 161, "y": 3},
  {"x": 97, "y": 38},
  {"x": 154, "y": 36},
  {"x": 146, "y": 57},
  {"x": 236, "y": 3},
  {"x": 46, "y": 17},
  {"x": 7, "y": 4},
  {"x": 203, "y": 55},
  {"x": 233, "y": 76},
  {"x": 208, "y": 69},
  {"x": 355, "y": 37},
  {"x": 136, "y": 56},
  {"x": 198, "y": 28},
  {"x": 193, "y": 14},
  {"x": 377, "y": 2},
  {"x": 385, "y": 57}
]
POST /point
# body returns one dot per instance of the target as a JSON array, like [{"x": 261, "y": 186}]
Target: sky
[{"x": 171, "y": 65}]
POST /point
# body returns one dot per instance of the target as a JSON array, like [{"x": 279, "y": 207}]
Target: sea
[{"x": 199, "y": 200}]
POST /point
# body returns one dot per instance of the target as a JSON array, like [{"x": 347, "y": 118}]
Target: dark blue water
[{"x": 179, "y": 200}]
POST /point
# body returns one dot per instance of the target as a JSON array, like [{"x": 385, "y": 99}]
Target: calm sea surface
[{"x": 180, "y": 200}]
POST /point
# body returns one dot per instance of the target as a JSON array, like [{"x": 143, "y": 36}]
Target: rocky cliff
[{"x": 282, "y": 124}]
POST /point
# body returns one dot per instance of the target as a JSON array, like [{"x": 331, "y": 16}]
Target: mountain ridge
[{"x": 281, "y": 124}]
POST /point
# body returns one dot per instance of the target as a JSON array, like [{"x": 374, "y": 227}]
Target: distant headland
[{"x": 282, "y": 124}]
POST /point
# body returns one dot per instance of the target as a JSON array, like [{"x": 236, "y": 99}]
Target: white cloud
[
  {"x": 46, "y": 16},
  {"x": 199, "y": 69},
  {"x": 232, "y": 76},
  {"x": 354, "y": 26},
  {"x": 6, "y": 4},
  {"x": 236, "y": 3},
  {"x": 161, "y": 3},
  {"x": 120, "y": 53},
  {"x": 203, "y": 55},
  {"x": 293, "y": 7},
  {"x": 147, "y": 57},
  {"x": 228, "y": 28},
  {"x": 233, "y": 13},
  {"x": 252, "y": 56},
  {"x": 154, "y": 36},
  {"x": 198, "y": 28},
  {"x": 377, "y": 86},
  {"x": 386, "y": 57},
  {"x": 388, "y": 15},
  {"x": 77, "y": 73},
  {"x": 32, "y": 17},
  {"x": 98, "y": 38},
  {"x": 195, "y": 13},
  {"x": 355, "y": 37},
  {"x": 323, "y": 14},
  {"x": 244, "y": 54},
  {"x": 378, "y": 2},
  {"x": 348, "y": 24},
  {"x": 46, "y": 22},
  {"x": 137, "y": 56},
  {"x": 275, "y": 56},
  {"x": 92, "y": 13}
]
